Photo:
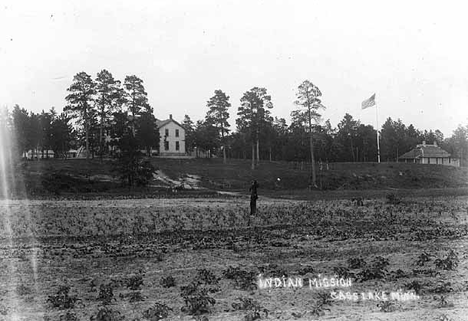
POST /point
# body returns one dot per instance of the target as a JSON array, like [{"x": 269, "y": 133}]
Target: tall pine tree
[
  {"x": 80, "y": 103},
  {"x": 218, "y": 116}
]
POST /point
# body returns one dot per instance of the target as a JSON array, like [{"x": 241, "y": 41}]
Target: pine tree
[
  {"x": 218, "y": 115},
  {"x": 308, "y": 98},
  {"x": 80, "y": 102}
]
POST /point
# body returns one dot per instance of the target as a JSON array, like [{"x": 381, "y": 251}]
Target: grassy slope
[{"x": 237, "y": 174}]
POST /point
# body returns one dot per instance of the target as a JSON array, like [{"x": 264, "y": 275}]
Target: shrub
[{"x": 133, "y": 169}]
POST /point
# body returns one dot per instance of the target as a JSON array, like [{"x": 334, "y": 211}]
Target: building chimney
[{"x": 170, "y": 116}]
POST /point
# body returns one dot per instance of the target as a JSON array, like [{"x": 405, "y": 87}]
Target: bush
[{"x": 133, "y": 168}]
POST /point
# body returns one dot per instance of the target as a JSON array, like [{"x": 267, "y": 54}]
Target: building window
[
  {"x": 166, "y": 132},
  {"x": 166, "y": 145},
  {"x": 176, "y": 133},
  {"x": 177, "y": 147}
]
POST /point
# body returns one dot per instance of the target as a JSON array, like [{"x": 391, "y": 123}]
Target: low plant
[
  {"x": 273, "y": 269},
  {"x": 207, "y": 277},
  {"x": 69, "y": 316},
  {"x": 370, "y": 274},
  {"x": 135, "y": 282},
  {"x": 168, "y": 282},
  {"x": 393, "y": 199},
  {"x": 255, "y": 310},
  {"x": 414, "y": 285},
  {"x": 442, "y": 302},
  {"x": 423, "y": 258},
  {"x": 305, "y": 270},
  {"x": 399, "y": 274},
  {"x": 386, "y": 306},
  {"x": 343, "y": 272},
  {"x": 449, "y": 263},
  {"x": 428, "y": 272},
  {"x": 23, "y": 289},
  {"x": 62, "y": 300},
  {"x": 107, "y": 314},
  {"x": 157, "y": 312},
  {"x": 196, "y": 299},
  {"x": 244, "y": 280},
  {"x": 318, "y": 310},
  {"x": 324, "y": 298},
  {"x": 247, "y": 304},
  {"x": 380, "y": 263},
  {"x": 356, "y": 263},
  {"x": 442, "y": 287},
  {"x": 106, "y": 293},
  {"x": 135, "y": 296}
]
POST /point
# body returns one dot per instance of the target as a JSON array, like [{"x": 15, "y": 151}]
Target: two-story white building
[{"x": 172, "y": 137}]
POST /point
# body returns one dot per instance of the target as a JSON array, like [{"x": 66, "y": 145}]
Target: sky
[{"x": 411, "y": 54}]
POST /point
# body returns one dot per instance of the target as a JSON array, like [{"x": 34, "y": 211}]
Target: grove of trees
[{"x": 108, "y": 117}]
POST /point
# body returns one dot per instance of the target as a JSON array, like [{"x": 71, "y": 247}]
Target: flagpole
[{"x": 378, "y": 140}]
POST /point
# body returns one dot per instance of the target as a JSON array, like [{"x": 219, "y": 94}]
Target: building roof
[
  {"x": 162, "y": 123},
  {"x": 424, "y": 150}
]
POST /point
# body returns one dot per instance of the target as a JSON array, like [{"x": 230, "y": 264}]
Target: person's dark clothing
[{"x": 253, "y": 197}]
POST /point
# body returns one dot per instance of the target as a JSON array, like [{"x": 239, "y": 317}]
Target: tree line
[
  {"x": 259, "y": 135},
  {"x": 100, "y": 115},
  {"x": 104, "y": 114}
]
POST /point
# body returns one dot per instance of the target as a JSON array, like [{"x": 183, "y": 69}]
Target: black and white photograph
[{"x": 233, "y": 160}]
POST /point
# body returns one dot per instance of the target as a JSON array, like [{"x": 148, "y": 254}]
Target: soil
[{"x": 416, "y": 244}]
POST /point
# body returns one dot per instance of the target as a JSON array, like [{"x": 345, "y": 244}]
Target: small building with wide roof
[{"x": 429, "y": 154}]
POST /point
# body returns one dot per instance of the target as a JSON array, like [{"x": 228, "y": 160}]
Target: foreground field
[{"x": 185, "y": 259}]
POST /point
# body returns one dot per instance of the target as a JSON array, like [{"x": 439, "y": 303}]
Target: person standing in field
[{"x": 253, "y": 197}]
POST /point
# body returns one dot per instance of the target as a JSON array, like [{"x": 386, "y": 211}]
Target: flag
[{"x": 368, "y": 102}]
